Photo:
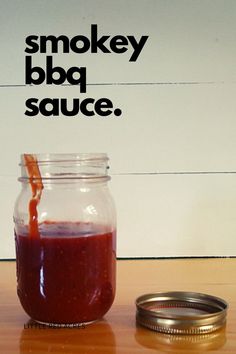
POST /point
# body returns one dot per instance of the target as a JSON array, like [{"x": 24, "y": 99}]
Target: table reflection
[
  {"x": 97, "y": 336},
  {"x": 169, "y": 343}
]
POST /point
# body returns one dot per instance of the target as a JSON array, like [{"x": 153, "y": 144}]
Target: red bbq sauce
[
  {"x": 65, "y": 270},
  {"x": 66, "y": 276}
]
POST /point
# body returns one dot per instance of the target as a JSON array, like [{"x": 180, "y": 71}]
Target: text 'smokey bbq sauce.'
[{"x": 65, "y": 232}]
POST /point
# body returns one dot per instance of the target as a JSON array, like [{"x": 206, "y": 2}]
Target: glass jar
[{"x": 65, "y": 233}]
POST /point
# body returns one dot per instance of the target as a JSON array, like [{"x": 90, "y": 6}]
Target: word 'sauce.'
[{"x": 56, "y": 75}]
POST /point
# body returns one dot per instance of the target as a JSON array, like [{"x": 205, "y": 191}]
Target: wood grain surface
[{"x": 118, "y": 332}]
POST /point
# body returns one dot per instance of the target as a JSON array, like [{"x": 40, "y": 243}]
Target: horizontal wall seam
[
  {"x": 153, "y": 173},
  {"x": 130, "y": 84},
  {"x": 173, "y": 173}
]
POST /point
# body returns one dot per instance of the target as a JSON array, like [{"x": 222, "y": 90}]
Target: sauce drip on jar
[{"x": 36, "y": 184}]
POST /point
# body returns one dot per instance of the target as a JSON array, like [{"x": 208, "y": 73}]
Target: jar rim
[
  {"x": 44, "y": 158},
  {"x": 61, "y": 166}
]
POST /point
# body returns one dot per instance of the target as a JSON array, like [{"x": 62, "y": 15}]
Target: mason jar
[{"x": 65, "y": 236}]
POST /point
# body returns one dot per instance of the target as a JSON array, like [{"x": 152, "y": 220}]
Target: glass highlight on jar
[{"x": 65, "y": 236}]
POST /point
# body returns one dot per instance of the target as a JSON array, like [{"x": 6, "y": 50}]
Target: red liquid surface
[{"x": 67, "y": 275}]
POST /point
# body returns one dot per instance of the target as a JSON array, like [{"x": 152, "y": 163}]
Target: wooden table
[{"x": 117, "y": 332}]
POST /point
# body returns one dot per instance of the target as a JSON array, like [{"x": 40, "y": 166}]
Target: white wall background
[{"x": 173, "y": 149}]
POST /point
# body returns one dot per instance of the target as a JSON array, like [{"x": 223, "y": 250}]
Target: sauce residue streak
[{"x": 36, "y": 184}]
